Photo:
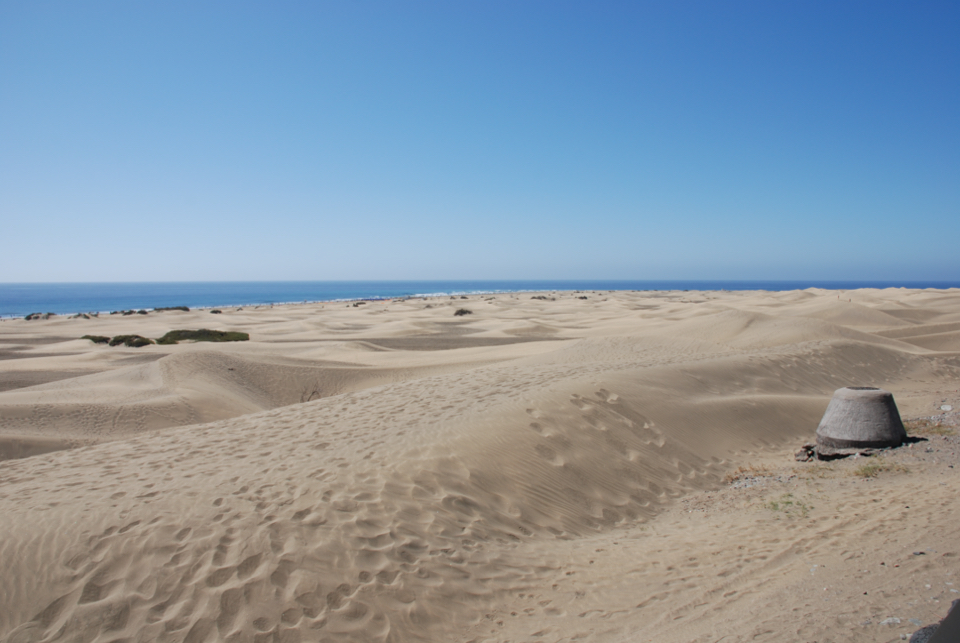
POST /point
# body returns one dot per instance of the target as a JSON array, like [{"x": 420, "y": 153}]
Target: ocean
[{"x": 17, "y": 300}]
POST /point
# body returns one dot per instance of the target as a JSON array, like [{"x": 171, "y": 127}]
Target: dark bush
[
  {"x": 462, "y": 311},
  {"x": 183, "y": 308},
  {"x": 203, "y": 335},
  {"x": 216, "y": 312},
  {"x": 141, "y": 312},
  {"x": 33, "y": 316},
  {"x": 133, "y": 341},
  {"x": 96, "y": 339}
]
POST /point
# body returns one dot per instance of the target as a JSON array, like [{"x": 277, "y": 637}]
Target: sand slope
[{"x": 451, "y": 483}]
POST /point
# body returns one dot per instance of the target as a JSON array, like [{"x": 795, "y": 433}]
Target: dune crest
[{"x": 382, "y": 473}]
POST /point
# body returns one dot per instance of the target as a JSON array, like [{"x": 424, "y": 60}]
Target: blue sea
[{"x": 17, "y": 300}]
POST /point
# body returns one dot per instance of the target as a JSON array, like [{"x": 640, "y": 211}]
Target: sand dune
[{"x": 376, "y": 473}]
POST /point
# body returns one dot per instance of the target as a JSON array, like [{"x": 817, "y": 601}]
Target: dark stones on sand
[{"x": 860, "y": 417}]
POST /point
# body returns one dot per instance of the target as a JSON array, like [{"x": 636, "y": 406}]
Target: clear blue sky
[{"x": 145, "y": 141}]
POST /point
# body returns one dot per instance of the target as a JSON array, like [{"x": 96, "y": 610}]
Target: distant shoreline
[{"x": 21, "y": 299}]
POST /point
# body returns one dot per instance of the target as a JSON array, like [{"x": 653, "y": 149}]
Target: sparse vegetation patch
[
  {"x": 462, "y": 311},
  {"x": 203, "y": 335},
  {"x": 96, "y": 339},
  {"x": 786, "y": 503},
  {"x": 133, "y": 341},
  {"x": 876, "y": 466},
  {"x": 927, "y": 426},
  {"x": 183, "y": 308},
  {"x": 749, "y": 471}
]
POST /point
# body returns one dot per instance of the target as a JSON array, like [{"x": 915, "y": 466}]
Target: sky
[{"x": 237, "y": 140}]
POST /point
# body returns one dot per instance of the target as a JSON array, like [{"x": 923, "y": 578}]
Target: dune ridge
[{"x": 486, "y": 491}]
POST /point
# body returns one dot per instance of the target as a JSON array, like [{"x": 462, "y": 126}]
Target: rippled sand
[{"x": 549, "y": 469}]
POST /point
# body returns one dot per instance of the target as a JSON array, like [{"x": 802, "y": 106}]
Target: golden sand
[{"x": 614, "y": 468}]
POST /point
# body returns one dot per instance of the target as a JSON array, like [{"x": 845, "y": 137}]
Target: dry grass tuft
[
  {"x": 749, "y": 471},
  {"x": 927, "y": 426},
  {"x": 787, "y": 504},
  {"x": 873, "y": 468},
  {"x": 815, "y": 470}
]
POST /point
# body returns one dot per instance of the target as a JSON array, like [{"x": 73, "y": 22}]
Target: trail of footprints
[{"x": 351, "y": 555}]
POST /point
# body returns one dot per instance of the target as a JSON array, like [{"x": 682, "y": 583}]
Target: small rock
[
  {"x": 893, "y": 620},
  {"x": 919, "y": 553},
  {"x": 806, "y": 453},
  {"x": 946, "y": 407}
]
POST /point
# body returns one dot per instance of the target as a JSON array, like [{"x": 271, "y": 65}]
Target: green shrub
[
  {"x": 461, "y": 312},
  {"x": 183, "y": 308},
  {"x": 203, "y": 335},
  {"x": 788, "y": 504},
  {"x": 96, "y": 339},
  {"x": 133, "y": 341}
]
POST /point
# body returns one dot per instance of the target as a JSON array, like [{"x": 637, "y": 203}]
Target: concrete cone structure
[{"x": 860, "y": 417}]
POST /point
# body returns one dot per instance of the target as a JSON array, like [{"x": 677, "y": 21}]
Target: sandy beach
[{"x": 557, "y": 466}]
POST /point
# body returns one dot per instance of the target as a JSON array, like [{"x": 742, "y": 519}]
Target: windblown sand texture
[{"x": 553, "y": 469}]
